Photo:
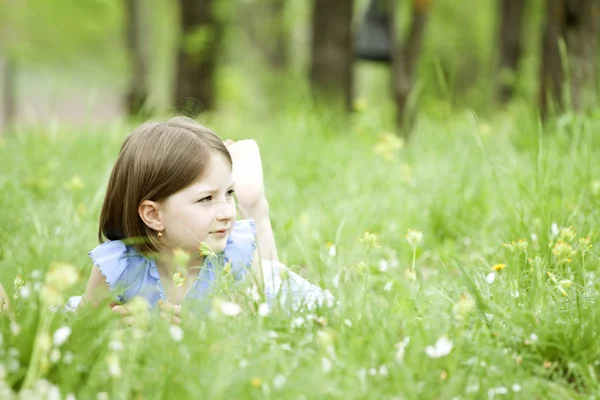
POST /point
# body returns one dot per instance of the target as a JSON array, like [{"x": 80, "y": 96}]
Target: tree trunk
[
  {"x": 404, "y": 60},
  {"x": 197, "y": 59},
  {"x": 264, "y": 23},
  {"x": 509, "y": 43},
  {"x": 9, "y": 92},
  {"x": 332, "y": 50},
  {"x": 582, "y": 28},
  {"x": 137, "y": 94},
  {"x": 574, "y": 23}
]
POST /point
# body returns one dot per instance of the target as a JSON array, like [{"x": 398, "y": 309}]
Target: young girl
[{"x": 171, "y": 191}]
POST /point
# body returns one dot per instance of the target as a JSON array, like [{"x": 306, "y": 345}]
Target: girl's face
[{"x": 205, "y": 211}]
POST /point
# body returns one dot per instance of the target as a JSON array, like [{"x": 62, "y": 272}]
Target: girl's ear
[{"x": 148, "y": 212}]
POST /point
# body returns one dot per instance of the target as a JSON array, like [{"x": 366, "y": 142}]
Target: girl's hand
[
  {"x": 170, "y": 312},
  {"x": 135, "y": 312},
  {"x": 247, "y": 174}
]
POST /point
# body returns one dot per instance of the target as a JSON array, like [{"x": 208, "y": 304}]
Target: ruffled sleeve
[
  {"x": 240, "y": 247},
  {"x": 122, "y": 267}
]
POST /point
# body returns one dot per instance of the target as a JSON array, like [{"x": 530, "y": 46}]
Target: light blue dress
[{"x": 128, "y": 273}]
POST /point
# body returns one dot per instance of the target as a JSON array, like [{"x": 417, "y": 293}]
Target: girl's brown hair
[{"x": 156, "y": 160}]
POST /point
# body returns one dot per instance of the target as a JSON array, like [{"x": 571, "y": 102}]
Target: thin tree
[
  {"x": 137, "y": 93},
  {"x": 197, "y": 59},
  {"x": 509, "y": 45},
  {"x": 569, "y": 55},
  {"x": 332, "y": 50},
  {"x": 405, "y": 56}
]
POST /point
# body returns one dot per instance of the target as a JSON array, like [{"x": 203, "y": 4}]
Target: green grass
[{"x": 469, "y": 184}]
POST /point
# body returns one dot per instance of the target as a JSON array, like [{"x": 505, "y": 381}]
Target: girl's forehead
[{"x": 217, "y": 174}]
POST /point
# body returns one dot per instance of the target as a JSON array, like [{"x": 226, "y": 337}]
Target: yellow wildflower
[
  {"x": 370, "y": 240},
  {"x": 256, "y": 382},
  {"x": 563, "y": 251},
  {"x": 499, "y": 267},
  {"x": 566, "y": 234}
]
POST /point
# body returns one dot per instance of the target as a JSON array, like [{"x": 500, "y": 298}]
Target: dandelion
[
  {"x": 414, "y": 238},
  {"x": 442, "y": 347},
  {"x": 176, "y": 333},
  {"x": 61, "y": 335},
  {"x": 490, "y": 278},
  {"x": 256, "y": 382},
  {"x": 279, "y": 381},
  {"x": 264, "y": 310},
  {"x": 499, "y": 267},
  {"x": 370, "y": 241},
  {"x": 567, "y": 234},
  {"x": 325, "y": 365}
]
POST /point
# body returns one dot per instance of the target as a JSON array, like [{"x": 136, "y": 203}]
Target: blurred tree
[
  {"x": 332, "y": 50},
  {"x": 265, "y": 24},
  {"x": 137, "y": 92},
  {"x": 509, "y": 44},
  {"x": 9, "y": 92},
  {"x": 405, "y": 55},
  {"x": 201, "y": 37},
  {"x": 374, "y": 36},
  {"x": 573, "y": 23}
]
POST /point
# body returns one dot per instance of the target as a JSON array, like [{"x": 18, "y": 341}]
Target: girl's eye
[
  {"x": 230, "y": 193},
  {"x": 207, "y": 199}
]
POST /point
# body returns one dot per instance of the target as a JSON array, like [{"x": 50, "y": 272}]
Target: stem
[{"x": 414, "y": 258}]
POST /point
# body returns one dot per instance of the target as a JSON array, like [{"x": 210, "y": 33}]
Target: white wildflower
[
  {"x": 442, "y": 347},
  {"x": 554, "y": 230},
  {"x": 491, "y": 277},
  {"x": 414, "y": 238},
  {"x": 24, "y": 291},
  {"x": 383, "y": 265},
  {"x": 229, "y": 308},
  {"x": 388, "y": 286},
  {"x": 264, "y": 310},
  {"x": 335, "y": 281},
  {"x": 114, "y": 366},
  {"x": 70, "y": 396},
  {"x": 271, "y": 335},
  {"x": 383, "y": 371},
  {"x": 533, "y": 337},
  {"x": 15, "y": 328},
  {"x": 243, "y": 363},
  {"x": 348, "y": 323},
  {"x": 286, "y": 347},
  {"x": 400, "y": 348},
  {"x": 372, "y": 371},
  {"x": 102, "y": 396},
  {"x": 54, "y": 356},
  {"x": 297, "y": 322},
  {"x": 68, "y": 357},
  {"x": 516, "y": 387},
  {"x": 279, "y": 381},
  {"x": 61, "y": 335},
  {"x": 332, "y": 251},
  {"x": 499, "y": 390},
  {"x": 115, "y": 345},
  {"x": 325, "y": 365},
  {"x": 534, "y": 237},
  {"x": 176, "y": 333}
]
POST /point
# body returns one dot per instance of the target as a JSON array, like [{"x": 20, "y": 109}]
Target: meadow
[{"x": 462, "y": 263}]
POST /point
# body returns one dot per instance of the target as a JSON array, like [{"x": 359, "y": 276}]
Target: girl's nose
[{"x": 224, "y": 210}]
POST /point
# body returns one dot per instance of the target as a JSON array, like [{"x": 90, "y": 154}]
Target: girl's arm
[
  {"x": 250, "y": 189},
  {"x": 4, "y": 304},
  {"x": 97, "y": 289}
]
